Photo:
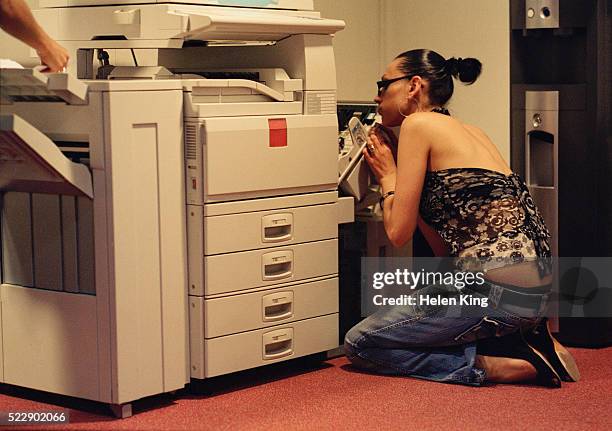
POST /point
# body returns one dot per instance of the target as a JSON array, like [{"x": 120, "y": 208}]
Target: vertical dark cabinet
[{"x": 560, "y": 130}]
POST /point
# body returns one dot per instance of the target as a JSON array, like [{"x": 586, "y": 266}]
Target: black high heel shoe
[
  {"x": 514, "y": 346},
  {"x": 542, "y": 340}
]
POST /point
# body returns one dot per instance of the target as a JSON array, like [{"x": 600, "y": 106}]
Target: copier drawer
[
  {"x": 249, "y": 157},
  {"x": 237, "y": 352},
  {"x": 263, "y": 229},
  {"x": 251, "y": 269},
  {"x": 240, "y": 313}
]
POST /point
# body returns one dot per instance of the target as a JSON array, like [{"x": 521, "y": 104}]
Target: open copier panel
[{"x": 185, "y": 210}]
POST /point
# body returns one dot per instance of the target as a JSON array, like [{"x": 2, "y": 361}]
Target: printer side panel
[{"x": 146, "y": 224}]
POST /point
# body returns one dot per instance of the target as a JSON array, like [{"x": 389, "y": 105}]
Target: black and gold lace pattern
[{"x": 485, "y": 213}]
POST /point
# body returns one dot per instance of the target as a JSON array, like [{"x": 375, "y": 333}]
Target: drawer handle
[
  {"x": 278, "y": 344},
  {"x": 277, "y": 265},
  {"x": 277, "y": 227},
  {"x": 277, "y": 306},
  {"x": 277, "y": 233}
]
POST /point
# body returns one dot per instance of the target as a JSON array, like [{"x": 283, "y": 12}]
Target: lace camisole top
[{"x": 484, "y": 214}]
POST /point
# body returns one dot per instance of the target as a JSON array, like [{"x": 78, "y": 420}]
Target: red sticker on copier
[{"x": 278, "y": 132}]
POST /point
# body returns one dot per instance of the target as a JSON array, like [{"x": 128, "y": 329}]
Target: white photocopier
[{"x": 177, "y": 219}]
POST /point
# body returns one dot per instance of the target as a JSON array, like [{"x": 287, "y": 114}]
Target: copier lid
[
  {"x": 31, "y": 162},
  {"x": 31, "y": 85},
  {"x": 268, "y": 4}
]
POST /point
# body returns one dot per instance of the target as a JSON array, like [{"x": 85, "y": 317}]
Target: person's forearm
[
  {"x": 387, "y": 183},
  {"x": 387, "y": 189},
  {"x": 17, "y": 20}
]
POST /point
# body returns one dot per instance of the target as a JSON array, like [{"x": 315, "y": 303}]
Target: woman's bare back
[{"x": 458, "y": 145}]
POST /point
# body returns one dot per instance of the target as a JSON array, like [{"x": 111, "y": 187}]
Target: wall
[{"x": 358, "y": 47}]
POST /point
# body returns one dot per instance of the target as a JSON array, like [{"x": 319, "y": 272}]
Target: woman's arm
[
  {"x": 17, "y": 20},
  {"x": 400, "y": 210}
]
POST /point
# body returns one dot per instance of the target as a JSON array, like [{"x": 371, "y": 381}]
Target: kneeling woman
[{"x": 449, "y": 179}]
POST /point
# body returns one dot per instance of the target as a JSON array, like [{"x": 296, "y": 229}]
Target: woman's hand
[
  {"x": 379, "y": 156},
  {"x": 386, "y": 135},
  {"x": 52, "y": 55}
]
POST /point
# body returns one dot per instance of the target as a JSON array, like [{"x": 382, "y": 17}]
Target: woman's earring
[
  {"x": 409, "y": 99},
  {"x": 418, "y": 105},
  {"x": 399, "y": 108}
]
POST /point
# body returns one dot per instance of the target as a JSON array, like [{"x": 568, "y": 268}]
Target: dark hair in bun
[
  {"x": 465, "y": 70},
  {"x": 439, "y": 72}
]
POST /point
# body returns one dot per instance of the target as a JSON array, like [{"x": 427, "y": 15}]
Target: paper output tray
[
  {"x": 31, "y": 85},
  {"x": 31, "y": 162}
]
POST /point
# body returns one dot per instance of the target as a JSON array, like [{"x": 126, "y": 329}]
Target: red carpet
[{"x": 334, "y": 396}]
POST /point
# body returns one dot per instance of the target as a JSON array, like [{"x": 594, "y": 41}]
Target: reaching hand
[
  {"x": 52, "y": 55},
  {"x": 17, "y": 20}
]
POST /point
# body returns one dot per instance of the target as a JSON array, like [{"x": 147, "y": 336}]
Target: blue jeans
[{"x": 433, "y": 342}]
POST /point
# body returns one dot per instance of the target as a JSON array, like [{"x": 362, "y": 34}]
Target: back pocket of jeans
[{"x": 487, "y": 327}]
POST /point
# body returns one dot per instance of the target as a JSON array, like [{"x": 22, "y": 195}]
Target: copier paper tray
[{"x": 31, "y": 162}]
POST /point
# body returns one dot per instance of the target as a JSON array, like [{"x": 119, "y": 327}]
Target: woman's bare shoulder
[
  {"x": 426, "y": 121},
  {"x": 476, "y": 131},
  {"x": 430, "y": 125}
]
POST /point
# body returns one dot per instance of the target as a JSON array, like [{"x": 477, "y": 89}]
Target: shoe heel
[
  {"x": 567, "y": 360},
  {"x": 542, "y": 340}
]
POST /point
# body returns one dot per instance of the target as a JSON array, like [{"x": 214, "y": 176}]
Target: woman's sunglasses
[{"x": 383, "y": 84}]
